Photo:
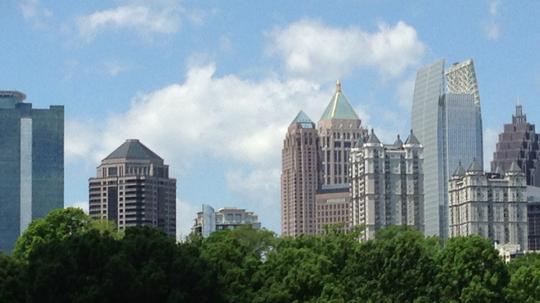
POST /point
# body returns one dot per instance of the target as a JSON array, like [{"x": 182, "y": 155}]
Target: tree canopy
[{"x": 67, "y": 257}]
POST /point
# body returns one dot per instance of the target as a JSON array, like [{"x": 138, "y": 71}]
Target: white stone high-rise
[
  {"x": 387, "y": 184},
  {"x": 492, "y": 205}
]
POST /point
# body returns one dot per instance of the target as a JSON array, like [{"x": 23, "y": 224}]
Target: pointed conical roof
[
  {"x": 475, "y": 166},
  {"x": 398, "y": 142},
  {"x": 514, "y": 168},
  {"x": 339, "y": 107},
  {"x": 373, "y": 138},
  {"x": 412, "y": 139},
  {"x": 133, "y": 149},
  {"x": 301, "y": 118},
  {"x": 460, "y": 171}
]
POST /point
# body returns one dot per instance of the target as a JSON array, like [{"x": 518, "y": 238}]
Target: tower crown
[{"x": 339, "y": 107}]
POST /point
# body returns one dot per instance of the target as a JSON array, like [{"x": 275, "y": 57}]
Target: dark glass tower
[
  {"x": 31, "y": 164},
  {"x": 519, "y": 142}
]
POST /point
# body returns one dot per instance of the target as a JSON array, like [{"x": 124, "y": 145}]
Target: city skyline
[{"x": 222, "y": 104}]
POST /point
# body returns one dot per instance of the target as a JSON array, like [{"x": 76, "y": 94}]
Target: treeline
[{"x": 67, "y": 257}]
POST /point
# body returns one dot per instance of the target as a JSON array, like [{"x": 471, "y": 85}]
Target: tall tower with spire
[
  {"x": 339, "y": 129},
  {"x": 299, "y": 177}
]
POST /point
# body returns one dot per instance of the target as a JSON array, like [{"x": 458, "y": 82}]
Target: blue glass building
[
  {"x": 31, "y": 164},
  {"x": 446, "y": 118}
]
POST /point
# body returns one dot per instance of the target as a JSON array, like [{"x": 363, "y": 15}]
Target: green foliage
[
  {"x": 524, "y": 284},
  {"x": 470, "y": 270},
  {"x": 67, "y": 257},
  {"x": 12, "y": 280}
]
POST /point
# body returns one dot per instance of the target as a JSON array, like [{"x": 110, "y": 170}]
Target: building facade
[
  {"x": 31, "y": 164},
  {"x": 387, "y": 184},
  {"x": 533, "y": 217},
  {"x": 132, "y": 187},
  {"x": 209, "y": 221},
  {"x": 446, "y": 118},
  {"x": 299, "y": 177},
  {"x": 519, "y": 142},
  {"x": 491, "y": 205},
  {"x": 315, "y": 168}
]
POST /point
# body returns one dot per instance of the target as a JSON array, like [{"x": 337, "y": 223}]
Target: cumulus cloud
[
  {"x": 315, "y": 50},
  {"x": 79, "y": 204},
  {"x": 186, "y": 212},
  {"x": 162, "y": 17}
]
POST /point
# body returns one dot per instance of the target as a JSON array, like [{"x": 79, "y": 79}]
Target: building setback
[
  {"x": 387, "y": 184},
  {"x": 209, "y": 221},
  {"x": 519, "y": 142},
  {"x": 31, "y": 164},
  {"x": 492, "y": 205},
  {"x": 446, "y": 118},
  {"x": 533, "y": 217},
  {"x": 132, "y": 188}
]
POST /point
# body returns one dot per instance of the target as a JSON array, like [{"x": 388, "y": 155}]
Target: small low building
[{"x": 208, "y": 220}]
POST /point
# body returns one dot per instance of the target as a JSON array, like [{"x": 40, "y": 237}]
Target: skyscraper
[
  {"x": 31, "y": 164},
  {"x": 315, "y": 172},
  {"x": 132, "y": 187},
  {"x": 447, "y": 120},
  {"x": 519, "y": 142},
  {"x": 387, "y": 184},
  {"x": 300, "y": 157}
]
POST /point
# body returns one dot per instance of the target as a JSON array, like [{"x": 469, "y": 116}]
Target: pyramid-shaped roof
[
  {"x": 339, "y": 107},
  {"x": 373, "y": 138},
  {"x": 475, "y": 166},
  {"x": 412, "y": 139},
  {"x": 302, "y": 118},
  {"x": 460, "y": 171},
  {"x": 133, "y": 149}
]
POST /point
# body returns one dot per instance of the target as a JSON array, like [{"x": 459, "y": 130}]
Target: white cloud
[
  {"x": 162, "y": 17},
  {"x": 259, "y": 186},
  {"x": 491, "y": 137},
  {"x": 492, "y": 28},
  {"x": 315, "y": 50},
  {"x": 35, "y": 13}
]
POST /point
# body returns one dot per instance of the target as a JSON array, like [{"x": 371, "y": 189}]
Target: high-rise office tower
[
  {"x": 492, "y": 205},
  {"x": 132, "y": 187},
  {"x": 447, "y": 120},
  {"x": 387, "y": 184},
  {"x": 31, "y": 164},
  {"x": 339, "y": 129},
  {"x": 519, "y": 142},
  {"x": 299, "y": 175}
]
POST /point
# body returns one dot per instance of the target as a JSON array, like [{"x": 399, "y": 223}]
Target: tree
[
  {"x": 524, "y": 283},
  {"x": 235, "y": 257},
  {"x": 57, "y": 225},
  {"x": 397, "y": 266},
  {"x": 12, "y": 287},
  {"x": 470, "y": 270}
]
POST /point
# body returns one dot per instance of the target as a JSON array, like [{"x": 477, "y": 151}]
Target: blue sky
[{"x": 212, "y": 85}]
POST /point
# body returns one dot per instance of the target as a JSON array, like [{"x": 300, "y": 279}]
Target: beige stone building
[
  {"x": 387, "y": 184},
  {"x": 132, "y": 187},
  {"x": 208, "y": 220},
  {"x": 333, "y": 209},
  {"x": 492, "y": 205}
]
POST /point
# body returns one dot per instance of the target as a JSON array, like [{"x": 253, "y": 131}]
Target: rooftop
[
  {"x": 339, "y": 107},
  {"x": 133, "y": 149}
]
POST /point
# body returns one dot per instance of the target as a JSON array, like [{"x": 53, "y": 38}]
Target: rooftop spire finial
[{"x": 338, "y": 86}]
